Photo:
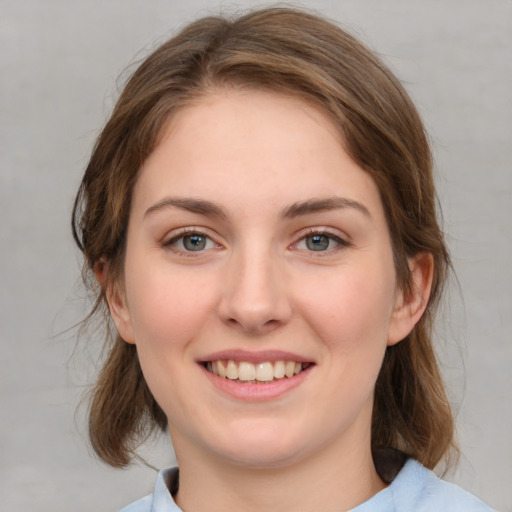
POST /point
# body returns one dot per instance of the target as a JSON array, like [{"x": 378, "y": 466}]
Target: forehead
[
  {"x": 244, "y": 118},
  {"x": 252, "y": 145}
]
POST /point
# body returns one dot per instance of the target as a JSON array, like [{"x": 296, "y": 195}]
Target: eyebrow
[
  {"x": 190, "y": 204},
  {"x": 323, "y": 204},
  {"x": 207, "y": 208}
]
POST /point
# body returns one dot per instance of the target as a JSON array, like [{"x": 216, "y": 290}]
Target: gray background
[{"x": 59, "y": 66}]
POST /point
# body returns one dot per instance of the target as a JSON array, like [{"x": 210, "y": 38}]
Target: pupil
[
  {"x": 194, "y": 242},
  {"x": 317, "y": 242}
]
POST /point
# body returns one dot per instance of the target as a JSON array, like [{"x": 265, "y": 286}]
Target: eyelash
[
  {"x": 181, "y": 235},
  {"x": 186, "y": 232},
  {"x": 342, "y": 243}
]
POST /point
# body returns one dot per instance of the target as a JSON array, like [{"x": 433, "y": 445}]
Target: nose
[{"x": 255, "y": 298}]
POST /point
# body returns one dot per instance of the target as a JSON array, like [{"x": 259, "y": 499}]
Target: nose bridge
[{"x": 255, "y": 296}]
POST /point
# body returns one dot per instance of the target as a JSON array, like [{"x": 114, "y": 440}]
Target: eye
[
  {"x": 191, "y": 242},
  {"x": 320, "y": 242}
]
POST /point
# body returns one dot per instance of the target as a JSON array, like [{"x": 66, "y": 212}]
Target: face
[{"x": 259, "y": 284}]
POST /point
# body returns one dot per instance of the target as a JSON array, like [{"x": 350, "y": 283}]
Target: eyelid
[
  {"x": 342, "y": 239},
  {"x": 175, "y": 235}
]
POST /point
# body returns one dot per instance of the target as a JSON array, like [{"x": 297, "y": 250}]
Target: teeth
[
  {"x": 289, "y": 369},
  {"x": 264, "y": 372},
  {"x": 232, "y": 370},
  {"x": 279, "y": 369},
  {"x": 220, "y": 369},
  {"x": 249, "y": 372}
]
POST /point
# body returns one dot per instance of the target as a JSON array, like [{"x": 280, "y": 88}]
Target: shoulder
[
  {"x": 417, "y": 488},
  {"x": 142, "y": 505}
]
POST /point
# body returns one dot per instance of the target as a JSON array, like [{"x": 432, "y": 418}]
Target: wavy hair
[{"x": 294, "y": 53}]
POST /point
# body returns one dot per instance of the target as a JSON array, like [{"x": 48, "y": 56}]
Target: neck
[{"x": 328, "y": 480}]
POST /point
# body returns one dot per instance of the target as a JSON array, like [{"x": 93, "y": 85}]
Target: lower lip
[{"x": 257, "y": 392}]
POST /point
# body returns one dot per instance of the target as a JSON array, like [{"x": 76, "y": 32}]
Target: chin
[
  {"x": 261, "y": 447},
  {"x": 257, "y": 457}
]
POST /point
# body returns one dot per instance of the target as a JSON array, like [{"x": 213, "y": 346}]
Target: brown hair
[{"x": 295, "y": 53}]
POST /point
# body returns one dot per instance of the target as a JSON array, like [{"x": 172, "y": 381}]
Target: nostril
[
  {"x": 254, "y": 300},
  {"x": 253, "y": 324}
]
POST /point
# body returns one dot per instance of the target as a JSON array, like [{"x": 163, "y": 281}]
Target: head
[{"x": 306, "y": 58}]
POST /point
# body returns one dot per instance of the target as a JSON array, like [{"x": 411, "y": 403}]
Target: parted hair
[{"x": 294, "y": 53}]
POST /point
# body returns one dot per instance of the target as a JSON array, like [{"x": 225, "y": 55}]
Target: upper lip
[{"x": 254, "y": 357}]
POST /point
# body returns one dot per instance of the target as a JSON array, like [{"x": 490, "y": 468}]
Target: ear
[
  {"x": 410, "y": 305},
  {"x": 116, "y": 299}
]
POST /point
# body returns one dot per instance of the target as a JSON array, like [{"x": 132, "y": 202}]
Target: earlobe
[
  {"x": 116, "y": 300},
  {"x": 410, "y": 306}
]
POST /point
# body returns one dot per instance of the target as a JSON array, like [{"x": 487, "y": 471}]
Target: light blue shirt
[{"x": 415, "y": 489}]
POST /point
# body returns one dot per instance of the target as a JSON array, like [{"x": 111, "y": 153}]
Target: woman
[{"x": 259, "y": 213}]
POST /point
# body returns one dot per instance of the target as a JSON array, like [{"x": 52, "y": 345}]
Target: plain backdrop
[{"x": 59, "y": 68}]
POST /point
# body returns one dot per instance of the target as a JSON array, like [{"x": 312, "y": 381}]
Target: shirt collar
[{"x": 162, "y": 497}]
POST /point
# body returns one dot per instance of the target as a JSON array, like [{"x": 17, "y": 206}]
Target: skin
[{"x": 257, "y": 286}]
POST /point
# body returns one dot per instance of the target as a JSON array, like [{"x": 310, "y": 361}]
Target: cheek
[
  {"x": 350, "y": 315},
  {"x": 351, "y": 308},
  {"x": 167, "y": 310},
  {"x": 167, "y": 307}
]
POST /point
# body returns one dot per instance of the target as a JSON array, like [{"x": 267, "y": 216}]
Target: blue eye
[
  {"x": 191, "y": 242},
  {"x": 320, "y": 242},
  {"x": 194, "y": 242},
  {"x": 317, "y": 242}
]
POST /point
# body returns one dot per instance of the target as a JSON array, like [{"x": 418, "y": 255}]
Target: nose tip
[
  {"x": 255, "y": 300},
  {"x": 255, "y": 321}
]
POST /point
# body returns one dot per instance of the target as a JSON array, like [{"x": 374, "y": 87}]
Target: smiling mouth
[{"x": 255, "y": 373}]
